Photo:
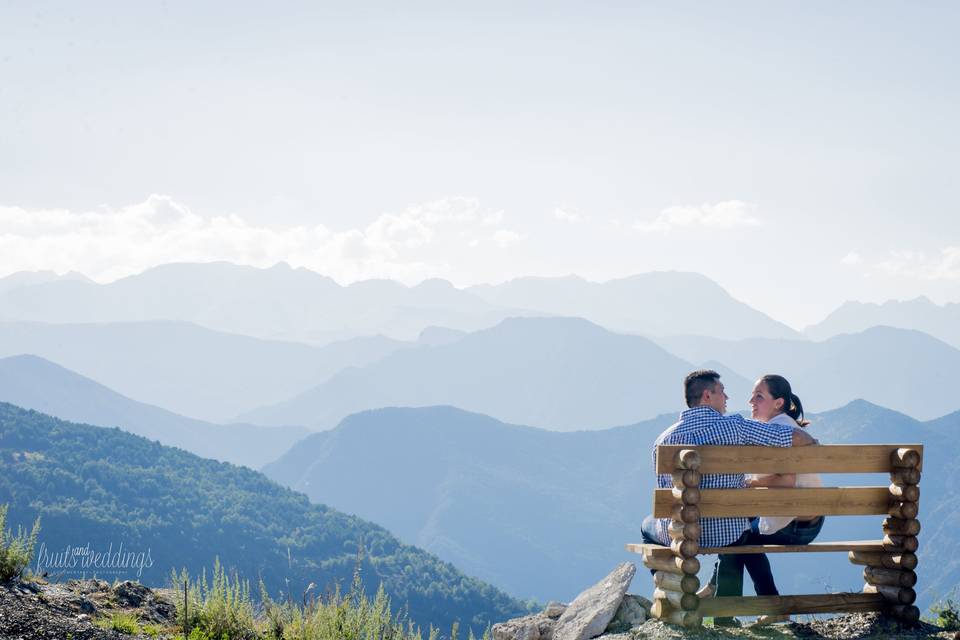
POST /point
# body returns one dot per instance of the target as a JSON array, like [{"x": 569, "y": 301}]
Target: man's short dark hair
[{"x": 696, "y": 383}]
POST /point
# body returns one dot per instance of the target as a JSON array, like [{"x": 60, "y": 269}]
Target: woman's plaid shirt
[{"x": 706, "y": 426}]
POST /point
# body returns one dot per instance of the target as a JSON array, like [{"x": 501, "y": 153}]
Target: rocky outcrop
[
  {"x": 591, "y": 611},
  {"x": 602, "y": 606},
  {"x": 69, "y": 610},
  {"x": 535, "y": 627},
  {"x": 633, "y": 612},
  {"x": 606, "y": 611}
]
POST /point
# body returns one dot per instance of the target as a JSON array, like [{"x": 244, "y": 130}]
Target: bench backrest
[
  {"x": 820, "y": 458},
  {"x": 712, "y": 503}
]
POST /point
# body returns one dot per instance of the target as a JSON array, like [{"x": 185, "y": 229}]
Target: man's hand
[{"x": 801, "y": 438}]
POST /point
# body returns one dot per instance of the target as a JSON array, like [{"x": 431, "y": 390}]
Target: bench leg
[{"x": 891, "y": 573}]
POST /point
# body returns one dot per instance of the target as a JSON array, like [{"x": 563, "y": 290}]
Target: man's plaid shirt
[{"x": 706, "y": 426}]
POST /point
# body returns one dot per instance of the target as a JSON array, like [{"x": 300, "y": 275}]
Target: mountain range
[
  {"x": 304, "y": 306},
  {"x": 515, "y": 504},
  {"x": 660, "y": 303},
  {"x": 940, "y": 321},
  {"x": 558, "y": 373},
  {"x": 418, "y": 409},
  {"x": 186, "y": 368},
  {"x": 34, "y": 383},
  {"x": 905, "y": 370},
  {"x": 27, "y": 278},
  {"x": 279, "y": 303},
  {"x": 551, "y": 372}
]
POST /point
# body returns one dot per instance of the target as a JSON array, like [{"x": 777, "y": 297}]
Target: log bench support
[
  {"x": 891, "y": 572},
  {"x": 675, "y": 596},
  {"x": 889, "y": 564}
]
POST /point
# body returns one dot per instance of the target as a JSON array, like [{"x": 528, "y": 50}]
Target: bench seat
[
  {"x": 657, "y": 550},
  {"x": 791, "y": 605}
]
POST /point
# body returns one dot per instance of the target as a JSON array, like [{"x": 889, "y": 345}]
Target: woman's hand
[{"x": 773, "y": 480}]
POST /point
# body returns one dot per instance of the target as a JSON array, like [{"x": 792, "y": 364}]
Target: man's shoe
[
  {"x": 707, "y": 591},
  {"x": 765, "y": 620},
  {"x": 726, "y": 622}
]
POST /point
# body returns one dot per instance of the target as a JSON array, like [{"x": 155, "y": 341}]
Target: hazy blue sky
[{"x": 800, "y": 154}]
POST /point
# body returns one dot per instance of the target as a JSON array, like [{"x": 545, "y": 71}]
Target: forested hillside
[{"x": 101, "y": 486}]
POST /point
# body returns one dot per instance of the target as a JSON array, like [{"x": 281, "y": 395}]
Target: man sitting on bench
[{"x": 704, "y": 423}]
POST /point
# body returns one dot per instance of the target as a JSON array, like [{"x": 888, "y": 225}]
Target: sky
[{"x": 799, "y": 154}]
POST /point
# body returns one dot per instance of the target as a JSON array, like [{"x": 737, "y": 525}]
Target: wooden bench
[{"x": 889, "y": 563}]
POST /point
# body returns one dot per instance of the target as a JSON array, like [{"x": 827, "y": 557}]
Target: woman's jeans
[{"x": 759, "y": 567}]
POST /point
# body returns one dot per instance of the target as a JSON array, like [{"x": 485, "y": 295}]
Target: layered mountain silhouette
[
  {"x": 103, "y": 487},
  {"x": 27, "y": 278},
  {"x": 510, "y": 504},
  {"x": 656, "y": 304},
  {"x": 559, "y": 373},
  {"x": 276, "y": 303},
  {"x": 304, "y": 306},
  {"x": 188, "y": 369},
  {"x": 34, "y": 383},
  {"x": 514, "y": 504},
  {"x": 905, "y": 370},
  {"x": 940, "y": 321}
]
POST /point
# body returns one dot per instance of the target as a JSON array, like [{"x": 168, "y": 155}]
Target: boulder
[
  {"x": 633, "y": 612},
  {"x": 591, "y": 611},
  {"x": 535, "y": 627},
  {"x": 554, "y": 609},
  {"x": 160, "y": 611},
  {"x": 81, "y": 603},
  {"x": 131, "y": 594}
]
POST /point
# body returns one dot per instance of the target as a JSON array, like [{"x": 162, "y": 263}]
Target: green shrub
[
  {"x": 199, "y": 634},
  {"x": 353, "y": 616},
  {"x": 122, "y": 622},
  {"x": 222, "y": 608},
  {"x": 15, "y": 550},
  {"x": 947, "y": 614}
]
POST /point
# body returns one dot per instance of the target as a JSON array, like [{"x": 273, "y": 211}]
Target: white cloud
[
  {"x": 504, "y": 238},
  {"x": 917, "y": 264},
  {"x": 729, "y": 214},
  {"x": 567, "y": 216},
  {"x": 107, "y": 244},
  {"x": 492, "y": 218},
  {"x": 851, "y": 258}
]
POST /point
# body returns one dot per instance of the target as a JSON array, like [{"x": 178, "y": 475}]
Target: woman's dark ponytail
[
  {"x": 795, "y": 410},
  {"x": 779, "y": 387}
]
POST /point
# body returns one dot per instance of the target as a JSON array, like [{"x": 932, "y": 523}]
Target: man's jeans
[
  {"x": 728, "y": 572},
  {"x": 728, "y": 575}
]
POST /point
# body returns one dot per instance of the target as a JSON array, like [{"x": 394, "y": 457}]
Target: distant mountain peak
[
  {"x": 919, "y": 313},
  {"x": 570, "y": 323},
  {"x": 570, "y": 277},
  {"x": 29, "y": 278},
  {"x": 669, "y": 273},
  {"x": 435, "y": 283},
  {"x": 38, "y": 362}
]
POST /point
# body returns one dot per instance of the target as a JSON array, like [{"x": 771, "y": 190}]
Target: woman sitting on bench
[{"x": 774, "y": 401}]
